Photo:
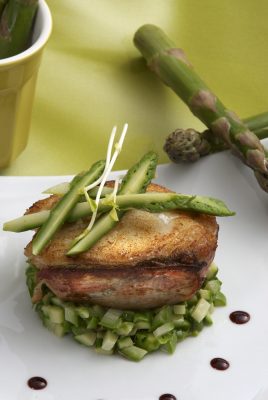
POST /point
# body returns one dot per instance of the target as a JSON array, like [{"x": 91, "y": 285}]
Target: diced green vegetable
[
  {"x": 97, "y": 311},
  {"x": 171, "y": 344},
  {"x": 83, "y": 312},
  {"x": 162, "y": 316},
  {"x": 111, "y": 319},
  {"x": 212, "y": 271},
  {"x": 133, "y": 334},
  {"x": 55, "y": 314},
  {"x": 133, "y": 353},
  {"x": 163, "y": 329},
  {"x": 100, "y": 350},
  {"x": 109, "y": 341},
  {"x": 143, "y": 325},
  {"x": 71, "y": 315},
  {"x": 125, "y": 328},
  {"x": 214, "y": 286},
  {"x": 208, "y": 320},
  {"x": 87, "y": 339},
  {"x": 179, "y": 309},
  {"x": 147, "y": 341},
  {"x": 219, "y": 299},
  {"x": 57, "y": 329},
  {"x": 124, "y": 342},
  {"x": 205, "y": 294},
  {"x": 200, "y": 310},
  {"x": 92, "y": 323}
]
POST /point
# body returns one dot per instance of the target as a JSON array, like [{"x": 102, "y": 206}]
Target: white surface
[{"x": 75, "y": 372}]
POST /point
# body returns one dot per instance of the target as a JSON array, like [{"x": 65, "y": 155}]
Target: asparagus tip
[{"x": 186, "y": 145}]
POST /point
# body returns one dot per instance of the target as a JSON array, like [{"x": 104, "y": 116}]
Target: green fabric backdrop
[{"x": 92, "y": 77}]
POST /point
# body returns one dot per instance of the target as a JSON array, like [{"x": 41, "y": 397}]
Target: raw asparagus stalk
[
  {"x": 62, "y": 209},
  {"x": 188, "y": 145},
  {"x": 16, "y": 25},
  {"x": 173, "y": 68},
  {"x": 135, "y": 181},
  {"x": 151, "y": 202}
]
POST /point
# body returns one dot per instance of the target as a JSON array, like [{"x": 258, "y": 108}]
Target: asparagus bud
[
  {"x": 173, "y": 68},
  {"x": 189, "y": 145},
  {"x": 186, "y": 145}
]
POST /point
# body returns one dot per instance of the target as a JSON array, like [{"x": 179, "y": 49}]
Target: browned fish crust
[{"x": 146, "y": 261}]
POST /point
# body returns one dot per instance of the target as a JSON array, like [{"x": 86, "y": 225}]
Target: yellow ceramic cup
[{"x": 18, "y": 76}]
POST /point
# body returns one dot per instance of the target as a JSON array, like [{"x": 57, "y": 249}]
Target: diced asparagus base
[
  {"x": 213, "y": 286},
  {"x": 171, "y": 344},
  {"x": 163, "y": 329},
  {"x": 57, "y": 329},
  {"x": 88, "y": 339},
  {"x": 100, "y": 350},
  {"x": 71, "y": 315},
  {"x": 133, "y": 334},
  {"x": 212, "y": 271},
  {"x": 219, "y": 299},
  {"x": 124, "y": 342},
  {"x": 109, "y": 341},
  {"x": 111, "y": 318},
  {"x": 205, "y": 294},
  {"x": 55, "y": 314},
  {"x": 200, "y": 310},
  {"x": 83, "y": 312},
  {"x": 179, "y": 309},
  {"x": 125, "y": 328},
  {"x": 133, "y": 353}
]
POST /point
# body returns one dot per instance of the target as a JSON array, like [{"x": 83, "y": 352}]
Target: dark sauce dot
[
  {"x": 37, "y": 383},
  {"x": 219, "y": 363},
  {"x": 239, "y": 317},
  {"x": 167, "y": 396}
]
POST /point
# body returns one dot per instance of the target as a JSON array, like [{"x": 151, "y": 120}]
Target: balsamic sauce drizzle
[
  {"x": 37, "y": 383},
  {"x": 219, "y": 364},
  {"x": 239, "y": 317},
  {"x": 167, "y": 396}
]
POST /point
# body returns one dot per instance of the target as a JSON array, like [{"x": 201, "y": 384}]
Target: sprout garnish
[{"x": 110, "y": 161}]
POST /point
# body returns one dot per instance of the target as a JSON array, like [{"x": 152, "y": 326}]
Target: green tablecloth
[{"x": 92, "y": 76}]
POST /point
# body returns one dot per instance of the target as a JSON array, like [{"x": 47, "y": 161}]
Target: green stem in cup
[
  {"x": 16, "y": 25},
  {"x": 2, "y": 5}
]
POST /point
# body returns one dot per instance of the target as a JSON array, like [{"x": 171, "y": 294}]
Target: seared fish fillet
[{"x": 147, "y": 260}]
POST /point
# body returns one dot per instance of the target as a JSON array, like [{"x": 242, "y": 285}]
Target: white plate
[{"x": 75, "y": 372}]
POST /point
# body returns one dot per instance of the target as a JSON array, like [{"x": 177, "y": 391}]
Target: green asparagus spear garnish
[
  {"x": 151, "y": 202},
  {"x": 173, "y": 68},
  {"x": 62, "y": 209},
  {"x": 135, "y": 181},
  {"x": 188, "y": 145},
  {"x": 16, "y": 25},
  {"x": 63, "y": 188}
]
